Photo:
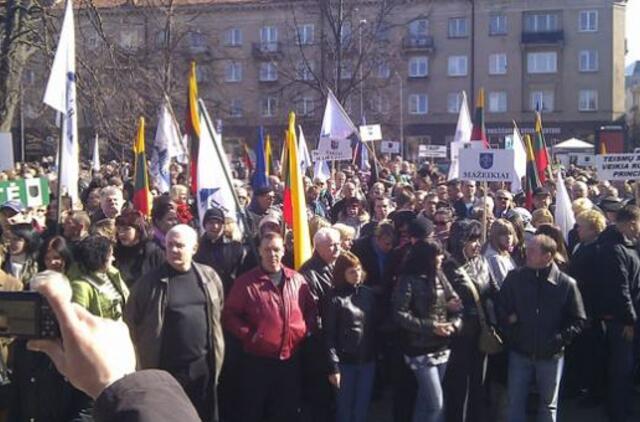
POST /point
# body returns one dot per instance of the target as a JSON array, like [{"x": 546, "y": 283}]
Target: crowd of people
[{"x": 449, "y": 299}]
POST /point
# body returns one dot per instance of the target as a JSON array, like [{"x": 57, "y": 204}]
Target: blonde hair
[
  {"x": 593, "y": 218},
  {"x": 345, "y": 231},
  {"x": 500, "y": 227},
  {"x": 176, "y": 191},
  {"x": 580, "y": 205},
  {"x": 541, "y": 216},
  {"x": 316, "y": 223}
]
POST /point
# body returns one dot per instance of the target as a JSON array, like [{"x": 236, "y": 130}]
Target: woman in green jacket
[{"x": 99, "y": 287}]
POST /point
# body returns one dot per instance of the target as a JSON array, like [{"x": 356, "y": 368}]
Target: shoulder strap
[{"x": 476, "y": 297}]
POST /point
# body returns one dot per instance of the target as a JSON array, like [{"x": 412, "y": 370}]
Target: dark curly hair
[
  {"x": 30, "y": 236},
  {"x": 421, "y": 260},
  {"x": 93, "y": 252}
]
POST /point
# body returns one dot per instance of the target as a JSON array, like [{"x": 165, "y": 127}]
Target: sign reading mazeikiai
[
  {"x": 618, "y": 166},
  {"x": 30, "y": 192},
  {"x": 486, "y": 165}
]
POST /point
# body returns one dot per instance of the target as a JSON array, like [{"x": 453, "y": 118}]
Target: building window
[
  {"x": 197, "y": 40},
  {"x": 454, "y": 101},
  {"x": 202, "y": 74},
  {"x": 589, "y": 61},
  {"x": 269, "y": 106},
  {"x": 588, "y": 21},
  {"x": 541, "y": 22},
  {"x": 379, "y": 104},
  {"x": 305, "y": 34},
  {"x": 541, "y": 100},
  {"x": 304, "y": 70},
  {"x": 383, "y": 71},
  {"x": 305, "y": 107},
  {"x": 268, "y": 72},
  {"x": 233, "y": 37},
  {"x": 458, "y": 27},
  {"x": 419, "y": 28},
  {"x": 498, "y": 64},
  {"x": 498, "y": 102},
  {"x": 542, "y": 62},
  {"x": 235, "y": 108},
  {"x": 588, "y": 100},
  {"x": 418, "y": 67},
  {"x": 457, "y": 66},
  {"x": 162, "y": 39},
  {"x": 346, "y": 70},
  {"x": 498, "y": 25},
  {"x": 268, "y": 34},
  {"x": 233, "y": 72},
  {"x": 345, "y": 33},
  {"x": 418, "y": 104},
  {"x": 131, "y": 38}
]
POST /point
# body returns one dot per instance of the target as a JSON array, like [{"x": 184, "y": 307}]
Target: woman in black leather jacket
[
  {"x": 426, "y": 308},
  {"x": 349, "y": 323},
  {"x": 469, "y": 274}
]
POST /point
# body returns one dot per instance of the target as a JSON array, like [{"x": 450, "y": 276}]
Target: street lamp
[
  {"x": 361, "y": 24},
  {"x": 401, "y": 114}
]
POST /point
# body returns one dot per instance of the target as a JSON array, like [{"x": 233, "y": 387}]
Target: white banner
[
  {"x": 370, "y": 133},
  {"x": 332, "y": 150},
  {"x": 618, "y": 166},
  {"x": 6, "y": 146},
  {"x": 432, "y": 151},
  {"x": 490, "y": 165},
  {"x": 390, "y": 147}
]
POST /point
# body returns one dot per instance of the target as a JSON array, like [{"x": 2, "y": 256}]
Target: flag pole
[{"x": 59, "y": 187}]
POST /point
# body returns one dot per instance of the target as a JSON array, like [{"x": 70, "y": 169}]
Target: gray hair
[
  {"x": 188, "y": 233},
  {"x": 110, "y": 190},
  {"x": 325, "y": 233}
]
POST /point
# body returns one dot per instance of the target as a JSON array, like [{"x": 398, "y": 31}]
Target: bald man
[{"x": 174, "y": 317}]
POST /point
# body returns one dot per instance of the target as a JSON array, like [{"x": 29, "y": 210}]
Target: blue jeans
[
  {"x": 354, "y": 394},
  {"x": 429, "y": 406},
  {"x": 620, "y": 370},
  {"x": 547, "y": 375}
]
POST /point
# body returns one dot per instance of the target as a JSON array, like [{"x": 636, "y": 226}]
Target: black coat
[
  {"x": 618, "y": 283},
  {"x": 349, "y": 324},
  {"x": 134, "y": 262},
  {"x": 144, "y": 396},
  {"x": 225, "y": 256},
  {"x": 364, "y": 250},
  {"x": 319, "y": 276},
  {"x": 583, "y": 267},
  {"x": 548, "y": 311}
]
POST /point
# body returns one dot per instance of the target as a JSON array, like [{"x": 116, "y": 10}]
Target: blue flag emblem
[{"x": 486, "y": 160}]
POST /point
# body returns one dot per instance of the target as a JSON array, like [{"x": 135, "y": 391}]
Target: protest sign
[
  {"x": 618, "y": 166},
  {"x": 370, "y": 133},
  {"x": 390, "y": 147},
  {"x": 432, "y": 151},
  {"x": 332, "y": 150},
  {"x": 486, "y": 165},
  {"x": 30, "y": 192}
]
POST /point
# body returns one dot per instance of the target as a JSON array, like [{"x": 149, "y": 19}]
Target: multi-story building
[{"x": 260, "y": 59}]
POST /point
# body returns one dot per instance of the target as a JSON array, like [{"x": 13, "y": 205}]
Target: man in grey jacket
[{"x": 174, "y": 317}]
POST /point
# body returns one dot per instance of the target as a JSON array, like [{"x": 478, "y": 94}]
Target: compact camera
[{"x": 27, "y": 315}]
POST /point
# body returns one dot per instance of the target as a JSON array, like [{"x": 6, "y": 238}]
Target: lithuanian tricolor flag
[
  {"x": 192, "y": 127},
  {"x": 295, "y": 205},
  {"x": 540, "y": 150},
  {"x": 479, "y": 134},
  {"x": 532, "y": 180},
  {"x": 141, "y": 194}
]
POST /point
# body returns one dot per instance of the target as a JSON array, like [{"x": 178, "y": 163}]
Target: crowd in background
[{"x": 448, "y": 298}]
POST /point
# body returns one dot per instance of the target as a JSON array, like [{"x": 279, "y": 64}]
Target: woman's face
[
  {"x": 353, "y": 275},
  {"x": 346, "y": 243},
  {"x": 127, "y": 235},
  {"x": 17, "y": 245},
  {"x": 169, "y": 220},
  {"x": 54, "y": 261},
  {"x": 472, "y": 249},
  {"x": 506, "y": 242}
]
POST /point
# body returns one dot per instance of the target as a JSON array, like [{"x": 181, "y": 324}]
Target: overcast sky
[{"x": 633, "y": 30}]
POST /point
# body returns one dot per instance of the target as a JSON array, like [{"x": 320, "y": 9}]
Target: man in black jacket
[
  {"x": 618, "y": 293},
  {"x": 542, "y": 312}
]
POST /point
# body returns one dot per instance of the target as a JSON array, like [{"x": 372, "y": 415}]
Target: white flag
[
  {"x": 520, "y": 161},
  {"x": 303, "y": 151},
  {"x": 61, "y": 96},
  {"x": 214, "y": 175},
  {"x": 321, "y": 171},
  {"x": 462, "y": 137},
  {"x": 564, "y": 217},
  {"x": 95, "y": 162},
  {"x": 336, "y": 123},
  {"x": 167, "y": 136}
]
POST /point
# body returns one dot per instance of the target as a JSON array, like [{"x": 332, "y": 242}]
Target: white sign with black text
[
  {"x": 390, "y": 147},
  {"x": 332, "y": 150},
  {"x": 486, "y": 165},
  {"x": 618, "y": 166},
  {"x": 432, "y": 151},
  {"x": 370, "y": 133}
]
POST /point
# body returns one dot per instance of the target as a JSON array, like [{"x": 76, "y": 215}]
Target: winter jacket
[
  {"x": 618, "y": 282},
  {"x": 541, "y": 311},
  {"x": 349, "y": 325},
  {"x": 134, "y": 262},
  {"x": 583, "y": 268},
  {"x": 418, "y": 303},
  {"x": 144, "y": 314},
  {"x": 319, "y": 276},
  {"x": 88, "y": 292},
  {"x": 225, "y": 256},
  {"x": 270, "y": 321}
]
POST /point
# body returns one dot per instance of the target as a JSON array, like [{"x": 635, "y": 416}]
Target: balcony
[
  {"x": 418, "y": 43},
  {"x": 547, "y": 37},
  {"x": 266, "y": 50}
]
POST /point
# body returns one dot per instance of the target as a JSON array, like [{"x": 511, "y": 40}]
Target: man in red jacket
[{"x": 271, "y": 311}]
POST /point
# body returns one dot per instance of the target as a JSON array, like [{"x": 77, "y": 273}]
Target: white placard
[
  {"x": 6, "y": 146},
  {"x": 332, "y": 150},
  {"x": 432, "y": 151},
  {"x": 390, "y": 147},
  {"x": 618, "y": 166},
  {"x": 370, "y": 133},
  {"x": 486, "y": 165},
  {"x": 585, "y": 159}
]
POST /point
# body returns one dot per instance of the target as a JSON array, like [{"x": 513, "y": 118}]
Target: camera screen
[{"x": 17, "y": 317}]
